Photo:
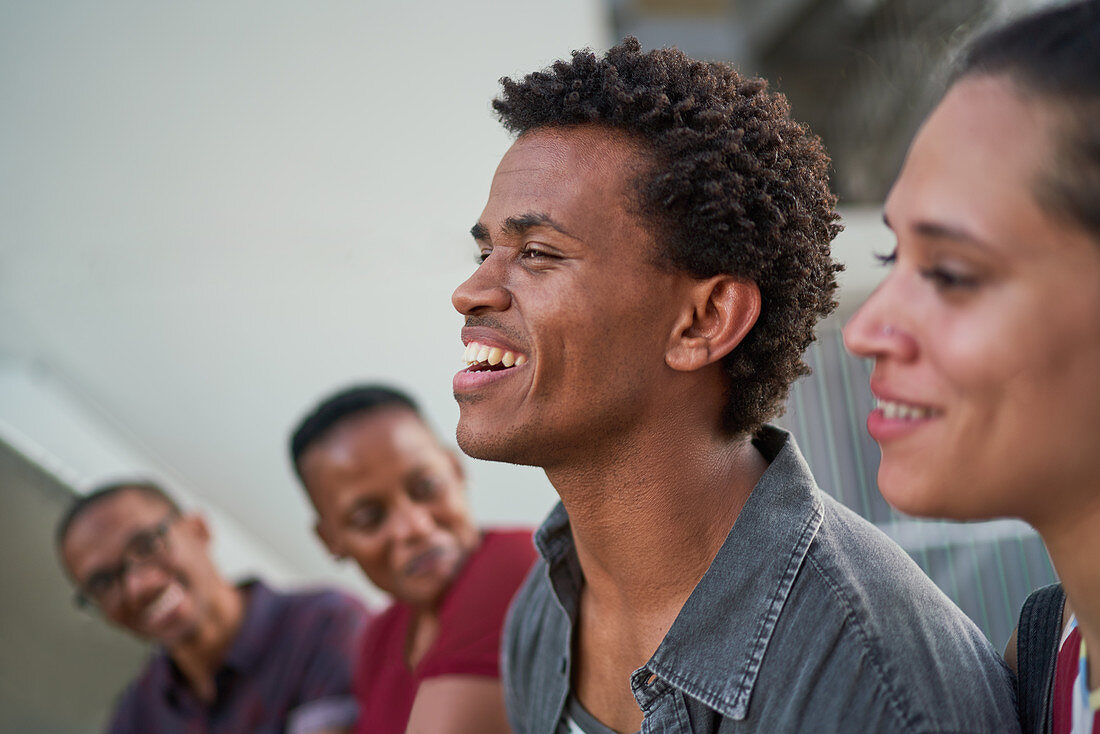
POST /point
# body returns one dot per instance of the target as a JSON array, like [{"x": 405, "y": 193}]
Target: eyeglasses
[{"x": 146, "y": 546}]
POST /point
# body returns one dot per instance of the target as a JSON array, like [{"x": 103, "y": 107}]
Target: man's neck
[
  {"x": 200, "y": 656},
  {"x": 625, "y": 514},
  {"x": 646, "y": 526}
]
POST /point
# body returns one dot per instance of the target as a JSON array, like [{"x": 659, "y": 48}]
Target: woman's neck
[
  {"x": 422, "y": 633},
  {"x": 1074, "y": 545}
]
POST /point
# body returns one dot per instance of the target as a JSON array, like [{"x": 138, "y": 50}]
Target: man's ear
[
  {"x": 719, "y": 312},
  {"x": 197, "y": 526},
  {"x": 329, "y": 542}
]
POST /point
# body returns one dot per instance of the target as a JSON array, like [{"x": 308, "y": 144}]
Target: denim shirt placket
[{"x": 659, "y": 686}]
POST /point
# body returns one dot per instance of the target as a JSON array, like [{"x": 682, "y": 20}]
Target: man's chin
[
  {"x": 179, "y": 633},
  {"x": 494, "y": 446}
]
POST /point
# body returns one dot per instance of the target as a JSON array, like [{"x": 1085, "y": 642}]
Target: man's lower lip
[
  {"x": 884, "y": 429},
  {"x": 466, "y": 381}
]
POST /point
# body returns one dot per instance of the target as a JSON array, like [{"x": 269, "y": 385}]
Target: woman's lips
[
  {"x": 893, "y": 419},
  {"x": 427, "y": 562}
]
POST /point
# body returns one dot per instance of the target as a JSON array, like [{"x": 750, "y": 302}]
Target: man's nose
[
  {"x": 485, "y": 289},
  {"x": 141, "y": 578}
]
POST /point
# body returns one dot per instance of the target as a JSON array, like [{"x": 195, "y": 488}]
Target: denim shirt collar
[{"x": 715, "y": 647}]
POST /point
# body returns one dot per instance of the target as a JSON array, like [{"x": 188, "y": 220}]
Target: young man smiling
[
  {"x": 654, "y": 258},
  {"x": 232, "y": 658}
]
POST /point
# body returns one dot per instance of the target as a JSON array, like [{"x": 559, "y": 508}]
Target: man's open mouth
[{"x": 484, "y": 358}]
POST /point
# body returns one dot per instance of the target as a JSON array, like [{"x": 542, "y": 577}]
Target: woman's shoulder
[
  {"x": 496, "y": 568},
  {"x": 508, "y": 540}
]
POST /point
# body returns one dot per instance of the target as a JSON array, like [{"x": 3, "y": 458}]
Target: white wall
[
  {"x": 214, "y": 213},
  {"x": 81, "y": 450}
]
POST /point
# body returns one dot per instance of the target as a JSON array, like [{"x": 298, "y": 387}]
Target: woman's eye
[
  {"x": 424, "y": 488},
  {"x": 365, "y": 519},
  {"x": 888, "y": 259},
  {"x": 947, "y": 279}
]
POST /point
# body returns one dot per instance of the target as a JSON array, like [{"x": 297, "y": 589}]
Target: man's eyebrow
[{"x": 519, "y": 225}]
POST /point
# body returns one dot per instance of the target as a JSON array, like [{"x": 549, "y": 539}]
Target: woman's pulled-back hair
[{"x": 1054, "y": 56}]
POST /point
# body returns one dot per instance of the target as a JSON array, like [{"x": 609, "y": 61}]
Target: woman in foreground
[{"x": 986, "y": 333}]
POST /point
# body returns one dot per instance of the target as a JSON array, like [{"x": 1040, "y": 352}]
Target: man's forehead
[
  {"x": 113, "y": 520},
  {"x": 547, "y": 169},
  {"x": 570, "y": 147}
]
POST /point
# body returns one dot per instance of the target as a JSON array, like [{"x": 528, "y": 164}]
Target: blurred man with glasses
[{"x": 234, "y": 658}]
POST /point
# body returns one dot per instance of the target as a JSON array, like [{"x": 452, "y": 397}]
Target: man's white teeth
[
  {"x": 901, "y": 411},
  {"x": 166, "y": 602},
  {"x": 477, "y": 353}
]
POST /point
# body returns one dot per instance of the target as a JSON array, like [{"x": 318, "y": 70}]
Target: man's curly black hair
[{"x": 733, "y": 186}]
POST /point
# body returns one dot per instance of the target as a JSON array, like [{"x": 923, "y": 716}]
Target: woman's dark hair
[
  {"x": 1054, "y": 56},
  {"x": 728, "y": 184},
  {"x": 338, "y": 407}
]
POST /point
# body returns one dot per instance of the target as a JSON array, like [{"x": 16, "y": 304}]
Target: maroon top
[
  {"x": 1066, "y": 670},
  {"x": 471, "y": 619}
]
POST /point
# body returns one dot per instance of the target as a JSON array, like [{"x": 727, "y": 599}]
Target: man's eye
[
  {"x": 481, "y": 257},
  {"x": 143, "y": 546},
  {"x": 99, "y": 584},
  {"x": 532, "y": 252}
]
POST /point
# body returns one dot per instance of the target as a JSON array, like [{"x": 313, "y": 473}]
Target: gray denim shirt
[{"x": 809, "y": 619}]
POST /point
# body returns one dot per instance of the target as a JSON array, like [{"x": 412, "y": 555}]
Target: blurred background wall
[{"x": 215, "y": 213}]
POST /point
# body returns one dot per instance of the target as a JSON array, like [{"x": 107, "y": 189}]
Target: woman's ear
[
  {"x": 330, "y": 543},
  {"x": 456, "y": 462},
  {"x": 719, "y": 312}
]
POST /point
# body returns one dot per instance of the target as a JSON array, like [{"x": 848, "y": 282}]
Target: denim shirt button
[{"x": 564, "y": 664}]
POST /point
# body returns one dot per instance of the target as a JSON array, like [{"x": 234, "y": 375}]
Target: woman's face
[
  {"x": 391, "y": 497},
  {"x": 986, "y": 332}
]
